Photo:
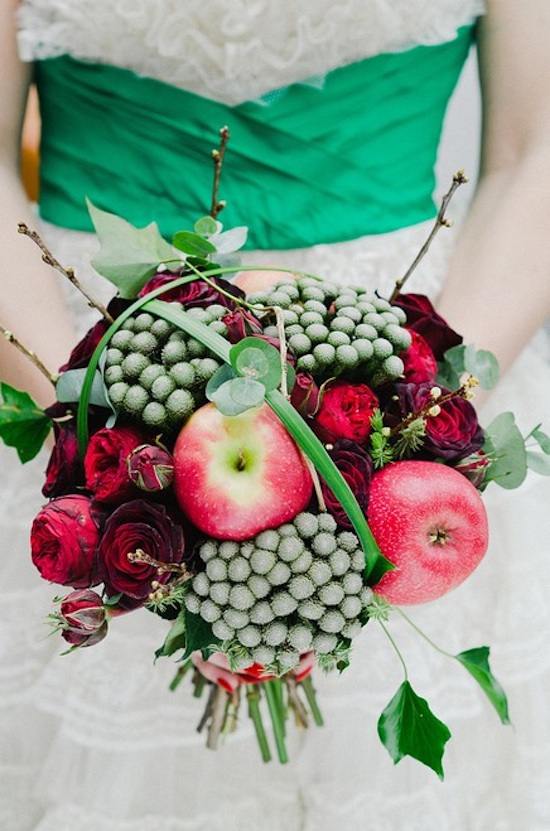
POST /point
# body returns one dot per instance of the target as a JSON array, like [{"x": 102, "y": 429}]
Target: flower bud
[
  {"x": 83, "y": 618},
  {"x": 150, "y": 468}
]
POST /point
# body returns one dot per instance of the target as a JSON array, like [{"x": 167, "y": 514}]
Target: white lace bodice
[{"x": 236, "y": 51}]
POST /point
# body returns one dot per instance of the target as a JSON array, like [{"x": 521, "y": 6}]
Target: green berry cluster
[
  {"x": 157, "y": 374},
  {"x": 335, "y": 330},
  {"x": 290, "y": 589}
]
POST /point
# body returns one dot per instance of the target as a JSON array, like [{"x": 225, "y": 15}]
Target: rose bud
[
  {"x": 64, "y": 538},
  {"x": 420, "y": 365},
  {"x": 355, "y": 465},
  {"x": 305, "y": 395},
  {"x": 474, "y": 468},
  {"x": 144, "y": 529},
  {"x": 195, "y": 293},
  {"x": 83, "y": 618},
  {"x": 105, "y": 465},
  {"x": 150, "y": 468},
  {"x": 64, "y": 472},
  {"x": 451, "y": 434},
  {"x": 345, "y": 412},
  {"x": 241, "y": 324},
  {"x": 423, "y": 318}
]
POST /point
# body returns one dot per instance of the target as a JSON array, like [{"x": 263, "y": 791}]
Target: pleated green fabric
[{"x": 354, "y": 157}]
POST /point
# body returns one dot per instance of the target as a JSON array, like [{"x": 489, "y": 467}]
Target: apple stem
[
  {"x": 396, "y": 648},
  {"x": 441, "y": 221}
]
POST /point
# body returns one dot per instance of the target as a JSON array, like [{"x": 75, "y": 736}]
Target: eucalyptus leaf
[
  {"x": 476, "y": 661},
  {"x": 23, "y": 424},
  {"x": 505, "y": 446},
  {"x": 230, "y": 241},
  {"x": 128, "y": 255},
  {"x": 238, "y": 395},
  {"x": 538, "y": 462},
  {"x": 407, "y": 727},
  {"x": 542, "y": 439},
  {"x": 483, "y": 365},
  {"x": 254, "y": 358},
  {"x": 206, "y": 226},
  {"x": 69, "y": 388},
  {"x": 223, "y": 374},
  {"x": 193, "y": 244}
]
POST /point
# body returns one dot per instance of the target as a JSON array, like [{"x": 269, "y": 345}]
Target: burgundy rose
[
  {"x": 144, "y": 528},
  {"x": 64, "y": 538},
  {"x": 451, "y": 434},
  {"x": 195, "y": 293},
  {"x": 305, "y": 395},
  {"x": 64, "y": 472},
  {"x": 345, "y": 412},
  {"x": 356, "y": 467},
  {"x": 150, "y": 468},
  {"x": 420, "y": 365},
  {"x": 105, "y": 463},
  {"x": 423, "y": 318},
  {"x": 83, "y": 618},
  {"x": 241, "y": 324},
  {"x": 83, "y": 351}
]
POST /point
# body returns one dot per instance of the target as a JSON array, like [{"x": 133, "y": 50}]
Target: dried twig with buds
[{"x": 217, "y": 157}]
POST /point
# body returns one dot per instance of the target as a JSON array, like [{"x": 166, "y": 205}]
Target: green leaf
[
  {"x": 199, "y": 635},
  {"x": 506, "y": 448},
  {"x": 256, "y": 359},
  {"x": 176, "y": 638},
  {"x": 194, "y": 244},
  {"x": 407, "y": 727},
  {"x": 23, "y": 424},
  {"x": 223, "y": 374},
  {"x": 238, "y": 395},
  {"x": 476, "y": 662},
  {"x": 229, "y": 241},
  {"x": 69, "y": 387},
  {"x": 482, "y": 364},
  {"x": 538, "y": 462},
  {"x": 206, "y": 226},
  {"x": 542, "y": 439},
  {"x": 128, "y": 255}
]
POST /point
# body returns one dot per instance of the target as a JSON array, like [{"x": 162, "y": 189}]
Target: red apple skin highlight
[
  {"x": 431, "y": 523},
  {"x": 235, "y": 476}
]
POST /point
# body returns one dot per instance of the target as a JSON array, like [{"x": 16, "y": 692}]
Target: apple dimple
[
  {"x": 430, "y": 522},
  {"x": 235, "y": 476}
]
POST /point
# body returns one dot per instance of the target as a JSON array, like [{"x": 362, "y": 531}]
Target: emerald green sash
[{"x": 313, "y": 165}]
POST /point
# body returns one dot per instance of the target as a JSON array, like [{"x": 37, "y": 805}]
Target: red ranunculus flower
[
  {"x": 64, "y": 538},
  {"x": 423, "y": 318},
  {"x": 355, "y": 465},
  {"x": 105, "y": 463},
  {"x": 420, "y": 365},
  {"x": 143, "y": 526},
  {"x": 453, "y": 434},
  {"x": 305, "y": 395},
  {"x": 241, "y": 324},
  {"x": 83, "y": 618},
  {"x": 345, "y": 412},
  {"x": 195, "y": 293}
]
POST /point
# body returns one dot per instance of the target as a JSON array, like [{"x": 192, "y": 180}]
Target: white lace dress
[{"x": 94, "y": 740}]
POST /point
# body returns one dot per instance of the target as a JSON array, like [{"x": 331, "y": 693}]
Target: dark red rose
[
  {"x": 356, "y": 467},
  {"x": 105, "y": 463},
  {"x": 305, "y": 395},
  {"x": 423, "y": 318},
  {"x": 195, "y": 293},
  {"x": 83, "y": 351},
  {"x": 241, "y": 324},
  {"x": 150, "y": 468},
  {"x": 345, "y": 412},
  {"x": 453, "y": 433},
  {"x": 64, "y": 472},
  {"x": 138, "y": 526},
  {"x": 419, "y": 361},
  {"x": 64, "y": 538},
  {"x": 83, "y": 618}
]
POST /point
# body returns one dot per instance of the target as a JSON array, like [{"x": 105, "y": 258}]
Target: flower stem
[
  {"x": 179, "y": 676},
  {"x": 396, "y": 648},
  {"x": 253, "y": 697},
  {"x": 423, "y": 634},
  {"x": 273, "y": 690},
  {"x": 309, "y": 690}
]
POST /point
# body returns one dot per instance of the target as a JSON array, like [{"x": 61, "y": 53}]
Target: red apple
[
  {"x": 235, "y": 476},
  {"x": 430, "y": 522},
  {"x": 252, "y": 281}
]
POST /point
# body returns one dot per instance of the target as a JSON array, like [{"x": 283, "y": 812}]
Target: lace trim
[{"x": 238, "y": 51}]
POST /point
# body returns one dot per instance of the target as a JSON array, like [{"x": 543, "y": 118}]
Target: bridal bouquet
[{"x": 269, "y": 471}]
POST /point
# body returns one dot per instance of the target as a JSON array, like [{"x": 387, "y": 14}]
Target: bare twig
[
  {"x": 217, "y": 157},
  {"x": 441, "y": 221},
  {"x": 218, "y": 709},
  {"x": 50, "y": 260},
  {"x": 139, "y": 556},
  {"x": 10, "y": 337}
]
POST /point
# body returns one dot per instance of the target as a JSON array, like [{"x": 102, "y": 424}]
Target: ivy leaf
[
  {"x": 128, "y": 255},
  {"x": 193, "y": 244},
  {"x": 69, "y": 387},
  {"x": 199, "y": 635},
  {"x": 476, "y": 662},
  {"x": 506, "y": 448},
  {"x": 23, "y": 424},
  {"x": 407, "y": 727}
]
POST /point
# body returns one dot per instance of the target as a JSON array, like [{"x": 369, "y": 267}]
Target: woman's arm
[
  {"x": 498, "y": 291},
  {"x": 30, "y": 302}
]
